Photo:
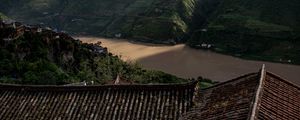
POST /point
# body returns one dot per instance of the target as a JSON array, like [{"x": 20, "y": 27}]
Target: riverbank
[{"x": 186, "y": 62}]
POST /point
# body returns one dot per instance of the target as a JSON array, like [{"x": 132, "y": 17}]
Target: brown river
[{"x": 182, "y": 61}]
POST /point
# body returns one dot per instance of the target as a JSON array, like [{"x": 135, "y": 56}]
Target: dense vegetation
[
  {"x": 44, "y": 58},
  {"x": 252, "y": 29},
  {"x": 162, "y": 21}
]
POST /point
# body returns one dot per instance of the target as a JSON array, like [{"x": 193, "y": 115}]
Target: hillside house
[
  {"x": 98, "y": 49},
  {"x": 39, "y": 30},
  {"x": 17, "y": 30},
  {"x": 119, "y": 35},
  {"x": 205, "y": 46}
]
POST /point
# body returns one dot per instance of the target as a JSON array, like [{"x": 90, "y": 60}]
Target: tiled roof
[
  {"x": 261, "y": 95},
  {"x": 279, "y": 99},
  {"x": 230, "y": 100},
  {"x": 257, "y": 96},
  {"x": 95, "y": 102}
]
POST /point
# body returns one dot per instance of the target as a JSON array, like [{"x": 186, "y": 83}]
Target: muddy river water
[{"x": 186, "y": 62}]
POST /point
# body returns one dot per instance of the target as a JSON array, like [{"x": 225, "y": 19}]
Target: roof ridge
[
  {"x": 258, "y": 93},
  {"x": 96, "y": 87},
  {"x": 228, "y": 81},
  {"x": 160, "y": 84}
]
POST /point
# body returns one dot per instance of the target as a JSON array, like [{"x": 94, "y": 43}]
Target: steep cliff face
[{"x": 160, "y": 20}]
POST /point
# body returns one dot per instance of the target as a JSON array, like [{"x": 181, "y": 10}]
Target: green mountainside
[
  {"x": 31, "y": 55},
  {"x": 161, "y": 20},
  {"x": 252, "y": 29}
]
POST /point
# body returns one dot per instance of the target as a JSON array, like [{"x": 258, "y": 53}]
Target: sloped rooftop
[
  {"x": 261, "y": 95},
  {"x": 230, "y": 100},
  {"x": 96, "y": 102},
  {"x": 278, "y": 99}
]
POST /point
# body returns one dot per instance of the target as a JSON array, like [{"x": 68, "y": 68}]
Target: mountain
[
  {"x": 251, "y": 14},
  {"x": 161, "y": 20},
  {"x": 253, "y": 29},
  {"x": 35, "y": 55}
]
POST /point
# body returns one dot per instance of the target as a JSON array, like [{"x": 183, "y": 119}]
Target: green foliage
[
  {"x": 205, "y": 83},
  {"x": 251, "y": 46},
  {"x": 158, "y": 29},
  {"x": 2, "y": 16},
  {"x": 158, "y": 20},
  {"x": 158, "y": 77},
  {"x": 250, "y": 29},
  {"x": 38, "y": 58}
]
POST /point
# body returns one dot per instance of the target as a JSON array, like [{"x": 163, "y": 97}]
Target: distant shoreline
[
  {"x": 187, "y": 62},
  {"x": 245, "y": 57}
]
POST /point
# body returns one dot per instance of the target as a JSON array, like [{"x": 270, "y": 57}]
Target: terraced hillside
[
  {"x": 161, "y": 20},
  {"x": 253, "y": 29}
]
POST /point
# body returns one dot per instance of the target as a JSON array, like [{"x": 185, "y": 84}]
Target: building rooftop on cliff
[{"x": 261, "y": 95}]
